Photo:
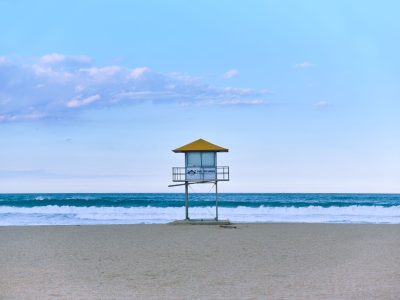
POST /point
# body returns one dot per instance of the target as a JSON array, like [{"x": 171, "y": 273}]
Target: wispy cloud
[
  {"x": 303, "y": 65},
  {"x": 37, "y": 173},
  {"x": 102, "y": 73},
  {"x": 244, "y": 102},
  {"x": 139, "y": 72},
  {"x": 321, "y": 104},
  {"x": 74, "y": 103},
  {"x": 55, "y": 58},
  {"x": 58, "y": 85},
  {"x": 231, "y": 73}
]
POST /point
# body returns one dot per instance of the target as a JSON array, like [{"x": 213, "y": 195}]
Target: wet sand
[{"x": 253, "y": 261}]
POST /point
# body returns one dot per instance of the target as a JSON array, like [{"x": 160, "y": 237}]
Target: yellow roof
[{"x": 200, "y": 145}]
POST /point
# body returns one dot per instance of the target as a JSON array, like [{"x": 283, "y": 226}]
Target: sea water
[{"x": 151, "y": 208}]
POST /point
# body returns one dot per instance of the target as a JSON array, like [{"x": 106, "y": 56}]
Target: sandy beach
[{"x": 252, "y": 261}]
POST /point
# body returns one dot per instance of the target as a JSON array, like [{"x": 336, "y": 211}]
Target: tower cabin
[{"x": 200, "y": 167}]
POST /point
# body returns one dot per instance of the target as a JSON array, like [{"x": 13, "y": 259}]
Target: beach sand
[{"x": 253, "y": 261}]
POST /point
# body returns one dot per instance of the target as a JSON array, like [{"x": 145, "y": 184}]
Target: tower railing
[{"x": 193, "y": 174}]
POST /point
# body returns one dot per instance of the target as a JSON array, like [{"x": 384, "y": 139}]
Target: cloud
[
  {"x": 231, "y": 73},
  {"x": 139, "y": 72},
  {"x": 74, "y": 103},
  {"x": 4, "y": 173},
  {"x": 55, "y": 58},
  {"x": 42, "y": 173},
  {"x": 303, "y": 65},
  {"x": 60, "y": 86},
  {"x": 102, "y": 73},
  {"x": 321, "y": 104},
  {"x": 244, "y": 102},
  {"x": 22, "y": 117}
]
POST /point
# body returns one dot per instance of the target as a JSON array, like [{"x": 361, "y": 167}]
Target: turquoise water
[{"x": 63, "y": 209}]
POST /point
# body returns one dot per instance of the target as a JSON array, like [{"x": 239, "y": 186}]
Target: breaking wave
[{"x": 74, "y": 215}]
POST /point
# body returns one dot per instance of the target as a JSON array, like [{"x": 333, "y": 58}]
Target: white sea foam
[{"x": 72, "y": 215}]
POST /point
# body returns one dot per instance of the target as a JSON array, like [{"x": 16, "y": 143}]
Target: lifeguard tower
[{"x": 200, "y": 167}]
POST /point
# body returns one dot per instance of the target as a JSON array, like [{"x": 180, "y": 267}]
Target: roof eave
[{"x": 184, "y": 151}]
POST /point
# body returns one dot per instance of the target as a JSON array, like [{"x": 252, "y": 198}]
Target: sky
[{"x": 94, "y": 95}]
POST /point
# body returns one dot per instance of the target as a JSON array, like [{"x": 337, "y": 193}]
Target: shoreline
[
  {"x": 201, "y": 225},
  {"x": 149, "y": 261}
]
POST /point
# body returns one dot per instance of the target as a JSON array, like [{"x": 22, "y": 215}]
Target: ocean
[{"x": 160, "y": 208}]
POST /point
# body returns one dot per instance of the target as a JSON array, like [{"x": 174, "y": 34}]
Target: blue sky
[{"x": 95, "y": 94}]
